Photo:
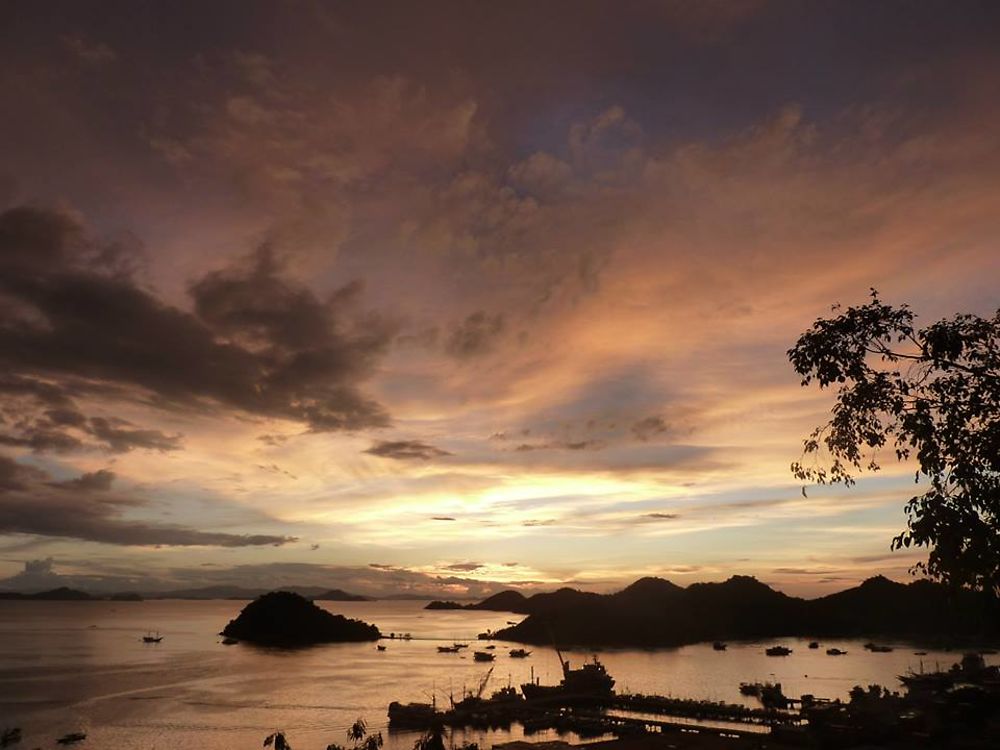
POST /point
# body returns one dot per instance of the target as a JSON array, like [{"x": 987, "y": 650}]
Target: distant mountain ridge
[
  {"x": 656, "y": 612},
  {"x": 339, "y": 595},
  {"x": 61, "y": 594}
]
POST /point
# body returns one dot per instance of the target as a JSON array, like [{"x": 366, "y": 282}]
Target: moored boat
[
  {"x": 483, "y": 656},
  {"x": 778, "y": 651}
]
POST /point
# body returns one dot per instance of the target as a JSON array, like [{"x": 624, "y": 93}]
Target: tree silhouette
[{"x": 930, "y": 395}]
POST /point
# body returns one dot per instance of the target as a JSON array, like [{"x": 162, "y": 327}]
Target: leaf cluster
[{"x": 929, "y": 395}]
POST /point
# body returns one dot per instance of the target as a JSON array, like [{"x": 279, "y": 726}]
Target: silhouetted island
[
  {"x": 505, "y": 601},
  {"x": 284, "y": 618},
  {"x": 445, "y": 605},
  {"x": 656, "y": 612}
]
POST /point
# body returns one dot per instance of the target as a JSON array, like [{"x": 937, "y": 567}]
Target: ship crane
[{"x": 482, "y": 684}]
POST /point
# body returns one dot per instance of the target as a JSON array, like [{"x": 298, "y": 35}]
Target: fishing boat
[
  {"x": 447, "y": 649},
  {"x": 778, "y": 651},
  {"x": 412, "y": 715},
  {"x": 69, "y": 739},
  {"x": 835, "y": 652},
  {"x": 719, "y": 646},
  {"x": 380, "y": 647},
  {"x": 813, "y": 644},
  {"x": 152, "y": 638},
  {"x": 519, "y": 653},
  {"x": 483, "y": 656},
  {"x": 586, "y": 683}
]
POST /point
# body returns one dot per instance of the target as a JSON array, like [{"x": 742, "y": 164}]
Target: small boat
[
  {"x": 778, "y": 651},
  {"x": 456, "y": 644},
  {"x": 150, "y": 638},
  {"x": 519, "y": 653},
  {"x": 380, "y": 647},
  {"x": 719, "y": 646},
  {"x": 447, "y": 649},
  {"x": 72, "y": 737},
  {"x": 483, "y": 656},
  {"x": 835, "y": 652},
  {"x": 880, "y": 649},
  {"x": 813, "y": 644},
  {"x": 490, "y": 647},
  {"x": 412, "y": 715},
  {"x": 229, "y": 641},
  {"x": 511, "y": 622}
]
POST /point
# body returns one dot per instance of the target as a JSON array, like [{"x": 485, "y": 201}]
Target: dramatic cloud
[
  {"x": 76, "y": 323},
  {"x": 406, "y": 450},
  {"x": 85, "y": 508},
  {"x": 569, "y": 445},
  {"x": 475, "y": 335},
  {"x": 648, "y": 428},
  {"x": 464, "y": 567}
]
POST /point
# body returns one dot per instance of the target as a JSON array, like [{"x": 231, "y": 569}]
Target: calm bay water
[{"x": 81, "y": 666}]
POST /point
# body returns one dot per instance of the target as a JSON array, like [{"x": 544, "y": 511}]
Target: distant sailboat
[{"x": 150, "y": 637}]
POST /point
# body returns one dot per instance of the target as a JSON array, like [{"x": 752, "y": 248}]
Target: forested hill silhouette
[{"x": 656, "y": 612}]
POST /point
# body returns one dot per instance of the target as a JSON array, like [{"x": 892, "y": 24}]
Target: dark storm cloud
[
  {"x": 465, "y": 567},
  {"x": 646, "y": 429},
  {"x": 568, "y": 445},
  {"x": 406, "y": 450},
  {"x": 256, "y": 343},
  {"x": 63, "y": 428},
  {"x": 115, "y": 433},
  {"x": 475, "y": 335},
  {"x": 98, "y": 481},
  {"x": 86, "y": 508},
  {"x": 660, "y": 516}
]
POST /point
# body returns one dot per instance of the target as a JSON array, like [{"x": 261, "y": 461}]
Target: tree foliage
[{"x": 930, "y": 396}]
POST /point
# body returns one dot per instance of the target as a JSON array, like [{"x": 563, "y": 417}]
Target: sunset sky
[{"x": 447, "y": 296}]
